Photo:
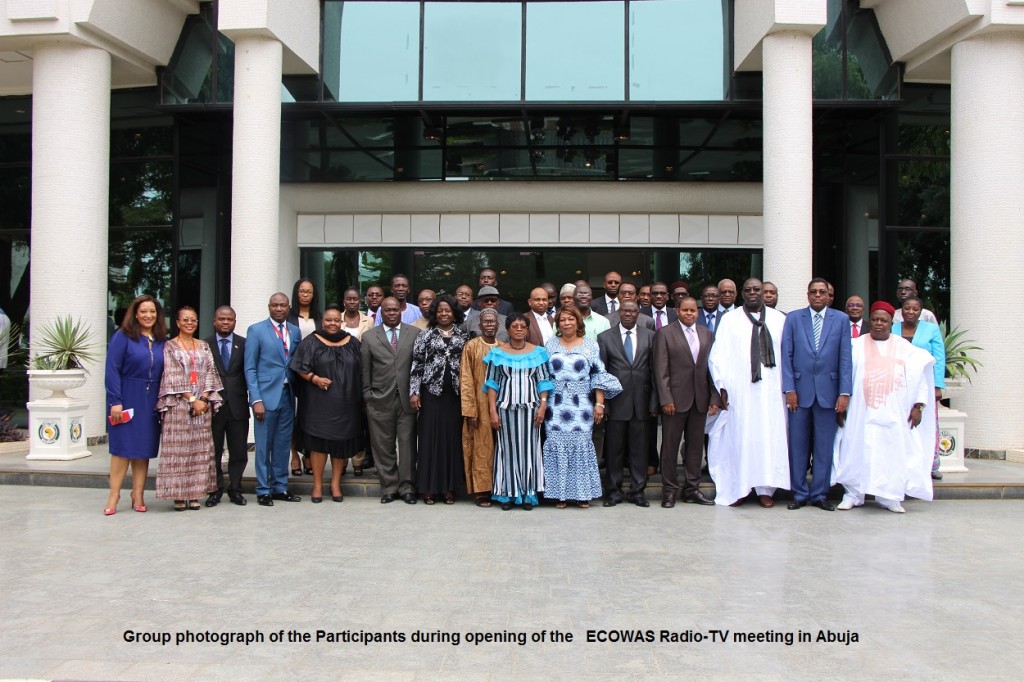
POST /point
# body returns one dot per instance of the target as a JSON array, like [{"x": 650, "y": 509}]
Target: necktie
[
  {"x": 613, "y": 306},
  {"x": 817, "y": 330},
  {"x": 657, "y": 322},
  {"x": 394, "y": 339},
  {"x": 284, "y": 337},
  {"x": 627, "y": 345},
  {"x": 710, "y": 318},
  {"x": 691, "y": 338},
  {"x": 856, "y": 329},
  {"x": 225, "y": 352}
]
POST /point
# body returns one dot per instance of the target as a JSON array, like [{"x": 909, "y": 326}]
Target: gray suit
[
  {"x": 392, "y": 420},
  {"x": 626, "y": 425},
  {"x": 472, "y": 326}
]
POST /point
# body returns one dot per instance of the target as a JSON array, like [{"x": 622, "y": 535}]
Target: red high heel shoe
[
  {"x": 139, "y": 507},
  {"x": 110, "y": 511}
]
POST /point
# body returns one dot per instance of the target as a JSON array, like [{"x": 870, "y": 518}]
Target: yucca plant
[
  {"x": 64, "y": 343},
  {"x": 959, "y": 364}
]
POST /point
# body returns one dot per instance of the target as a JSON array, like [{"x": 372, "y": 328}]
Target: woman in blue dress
[
  {"x": 135, "y": 363},
  {"x": 581, "y": 386}
]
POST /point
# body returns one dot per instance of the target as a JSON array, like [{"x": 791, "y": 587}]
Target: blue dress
[
  {"x": 132, "y": 380},
  {"x": 570, "y": 461}
]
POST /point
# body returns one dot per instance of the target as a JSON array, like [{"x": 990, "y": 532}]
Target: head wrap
[
  {"x": 569, "y": 288},
  {"x": 882, "y": 305},
  {"x": 488, "y": 312}
]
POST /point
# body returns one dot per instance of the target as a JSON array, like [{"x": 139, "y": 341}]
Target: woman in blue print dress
[
  {"x": 581, "y": 386},
  {"x": 135, "y": 363}
]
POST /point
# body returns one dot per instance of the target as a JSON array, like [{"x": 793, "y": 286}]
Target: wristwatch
[{"x": 192, "y": 400}]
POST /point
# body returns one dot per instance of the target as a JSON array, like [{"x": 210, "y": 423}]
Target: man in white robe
[
  {"x": 886, "y": 446},
  {"x": 747, "y": 445}
]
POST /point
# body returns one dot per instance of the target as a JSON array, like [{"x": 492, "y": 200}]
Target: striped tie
[{"x": 817, "y": 330}]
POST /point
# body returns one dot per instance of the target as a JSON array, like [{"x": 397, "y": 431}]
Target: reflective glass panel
[
  {"x": 575, "y": 51},
  {"x": 140, "y": 193},
  {"x": 139, "y": 261},
  {"x": 677, "y": 50},
  {"x": 869, "y": 74},
  {"x": 923, "y": 193},
  {"x": 472, "y": 51},
  {"x": 406, "y": 164},
  {"x": 380, "y": 52}
]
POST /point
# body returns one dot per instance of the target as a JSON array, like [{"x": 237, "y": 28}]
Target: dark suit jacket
[
  {"x": 534, "y": 335},
  {"x": 821, "y": 374},
  {"x": 677, "y": 379},
  {"x": 235, "y": 393},
  {"x": 670, "y": 315},
  {"x": 600, "y": 305},
  {"x": 863, "y": 327},
  {"x": 637, "y": 399},
  {"x": 644, "y": 321},
  {"x": 702, "y": 321},
  {"x": 385, "y": 372}
]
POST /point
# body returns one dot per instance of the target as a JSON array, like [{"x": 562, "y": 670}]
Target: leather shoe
[
  {"x": 611, "y": 501},
  {"x": 824, "y": 505},
  {"x": 409, "y": 498},
  {"x": 237, "y": 498},
  {"x": 641, "y": 501},
  {"x": 698, "y": 498},
  {"x": 213, "y": 499},
  {"x": 766, "y": 501},
  {"x": 388, "y": 498},
  {"x": 286, "y": 497},
  {"x": 668, "y": 502},
  {"x": 796, "y": 504},
  {"x": 265, "y": 500}
]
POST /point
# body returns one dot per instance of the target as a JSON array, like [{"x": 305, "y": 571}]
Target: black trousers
[
  {"x": 236, "y": 431},
  {"x": 620, "y": 438}
]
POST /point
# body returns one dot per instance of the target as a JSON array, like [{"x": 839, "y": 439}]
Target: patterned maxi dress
[
  {"x": 186, "y": 443},
  {"x": 518, "y": 380},
  {"x": 570, "y": 461}
]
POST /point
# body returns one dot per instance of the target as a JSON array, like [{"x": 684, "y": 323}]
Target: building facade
[{"x": 213, "y": 152}]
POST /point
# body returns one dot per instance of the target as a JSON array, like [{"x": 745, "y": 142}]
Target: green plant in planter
[
  {"x": 64, "y": 343},
  {"x": 959, "y": 363}
]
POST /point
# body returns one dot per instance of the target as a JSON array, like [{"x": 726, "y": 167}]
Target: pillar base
[
  {"x": 57, "y": 429},
  {"x": 952, "y": 425}
]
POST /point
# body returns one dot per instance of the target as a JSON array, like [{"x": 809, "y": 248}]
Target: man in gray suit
[
  {"x": 687, "y": 397},
  {"x": 387, "y": 359},
  {"x": 626, "y": 350}
]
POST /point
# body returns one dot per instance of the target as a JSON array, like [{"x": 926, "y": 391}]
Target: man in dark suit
[
  {"x": 659, "y": 311},
  {"x": 626, "y": 352},
  {"x": 687, "y": 396},
  {"x": 709, "y": 315},
  {"x": 609, "y": 303},
  {"x": 232, "y": 419},
  {"x": 489, "y": 278},
  {"x": 269, "y": 346},
  {"x": 541, "y": 330},
  {"x": 627, "y": 292},
  {"x": 855, "y": 311},
  {"x": 817, "y": 378},
  {"x": 387, "y": 361}
]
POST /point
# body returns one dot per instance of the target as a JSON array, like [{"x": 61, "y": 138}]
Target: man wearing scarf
[
  {"x": 747, "y": 445},
  {"x": 885, "y": 449}
]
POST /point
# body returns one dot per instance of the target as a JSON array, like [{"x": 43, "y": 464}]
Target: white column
[
  {"x": 987, "y": 230},
  {"x": 256, "y": 181},
  {"x": 70, "y": 188},
  {"x": 787, "y": 163}
]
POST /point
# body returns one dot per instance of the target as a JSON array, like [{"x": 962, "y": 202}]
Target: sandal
[
  {"x": 449, "y": 498},
  {"x": 179, "y": 505},
  {"x": 193, "y": 504},
  {"x": 482, "y": 502},
  {"x": 357, "y": 470},
  {"x": 306, "y": 466},
  {"x": 296, "y": 472},
  {"x": 138, "y": 507},
  {"x": 428, "y": 499},
  {"x": 560, "y": 505},
  {"x": 583, "y": 505}
]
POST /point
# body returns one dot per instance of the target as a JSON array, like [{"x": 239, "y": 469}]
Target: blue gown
[
  {"x": 133, "y": 381},
  {"x": 570, "y": 461}
]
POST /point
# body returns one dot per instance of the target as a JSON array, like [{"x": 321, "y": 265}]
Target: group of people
[{"x": 463, "y": 393}]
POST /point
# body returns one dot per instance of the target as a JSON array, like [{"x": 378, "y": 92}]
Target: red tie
[{"x": 856, "y": 329}]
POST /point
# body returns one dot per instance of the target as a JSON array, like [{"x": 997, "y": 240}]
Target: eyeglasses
[
  {"x": 489, "y": 300},
  {"x": 188, "y": 320}
]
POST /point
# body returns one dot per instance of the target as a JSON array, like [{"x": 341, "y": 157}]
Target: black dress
[
  {"x": 439, "y": 455},
  {"x": 331, "y": 421}
]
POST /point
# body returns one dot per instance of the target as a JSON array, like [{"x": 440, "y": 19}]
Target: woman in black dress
[
  {"x": 434, "y": 393},
  {"x": 331, "y": 420}
]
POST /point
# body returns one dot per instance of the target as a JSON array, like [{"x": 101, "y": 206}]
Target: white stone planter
[
  {"x": 56, "y": 424},
  {"x": 952, "y": 426}
]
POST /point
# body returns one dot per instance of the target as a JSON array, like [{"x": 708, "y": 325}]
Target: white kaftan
[
  {"x": 747, "y": 445},
  {"x": 877, "y": 453}
]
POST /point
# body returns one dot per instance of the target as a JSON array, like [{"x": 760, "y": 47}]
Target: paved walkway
[{"x": 930, "y": 594}]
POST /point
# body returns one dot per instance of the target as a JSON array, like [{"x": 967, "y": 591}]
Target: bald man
[
  {"x": 541, "y": 329},
  {"x": 609, "y": 303}
]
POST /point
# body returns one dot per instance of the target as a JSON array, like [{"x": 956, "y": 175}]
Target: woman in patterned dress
[
  {"x": 518, "y": 384},
  {"x": 570, "y": 461},
  {"x": 434, "y": 393},
  {"x": 188, "y": 396}
]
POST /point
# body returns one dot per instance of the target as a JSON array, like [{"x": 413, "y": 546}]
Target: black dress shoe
[
  {"x": 506, "y": 506},
  {"x": 824, "y": 505},
  {"x": 795, "y": 504},
  {"x": 409, "y": 498},
  {"x": 316, "y": 500},
  {"x": 641, "y": 501},
  {"x": 265, "y": 500},
  {"x": 286, "y": 497},
  {"x": 668, "y": 502},
  {"x": 698, "y": 498},
  {"x": 237, "y": 498},
  {"x": 214, "y": 498},
  {"x": 610, "y": 502},
  {"x": 388, "y": 498}
]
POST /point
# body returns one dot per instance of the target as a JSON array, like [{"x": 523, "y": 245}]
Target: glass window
[
  {"x": 923, "y": 191},
  {"x": 575, "y": 51},
  {"x": 139, "y": 262},
  {"x": 140, "y": 193},
  {"x": 472, "y": 51},
  {"x": 380, "y": 52},
  {"x": 677, "y": 50}
]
